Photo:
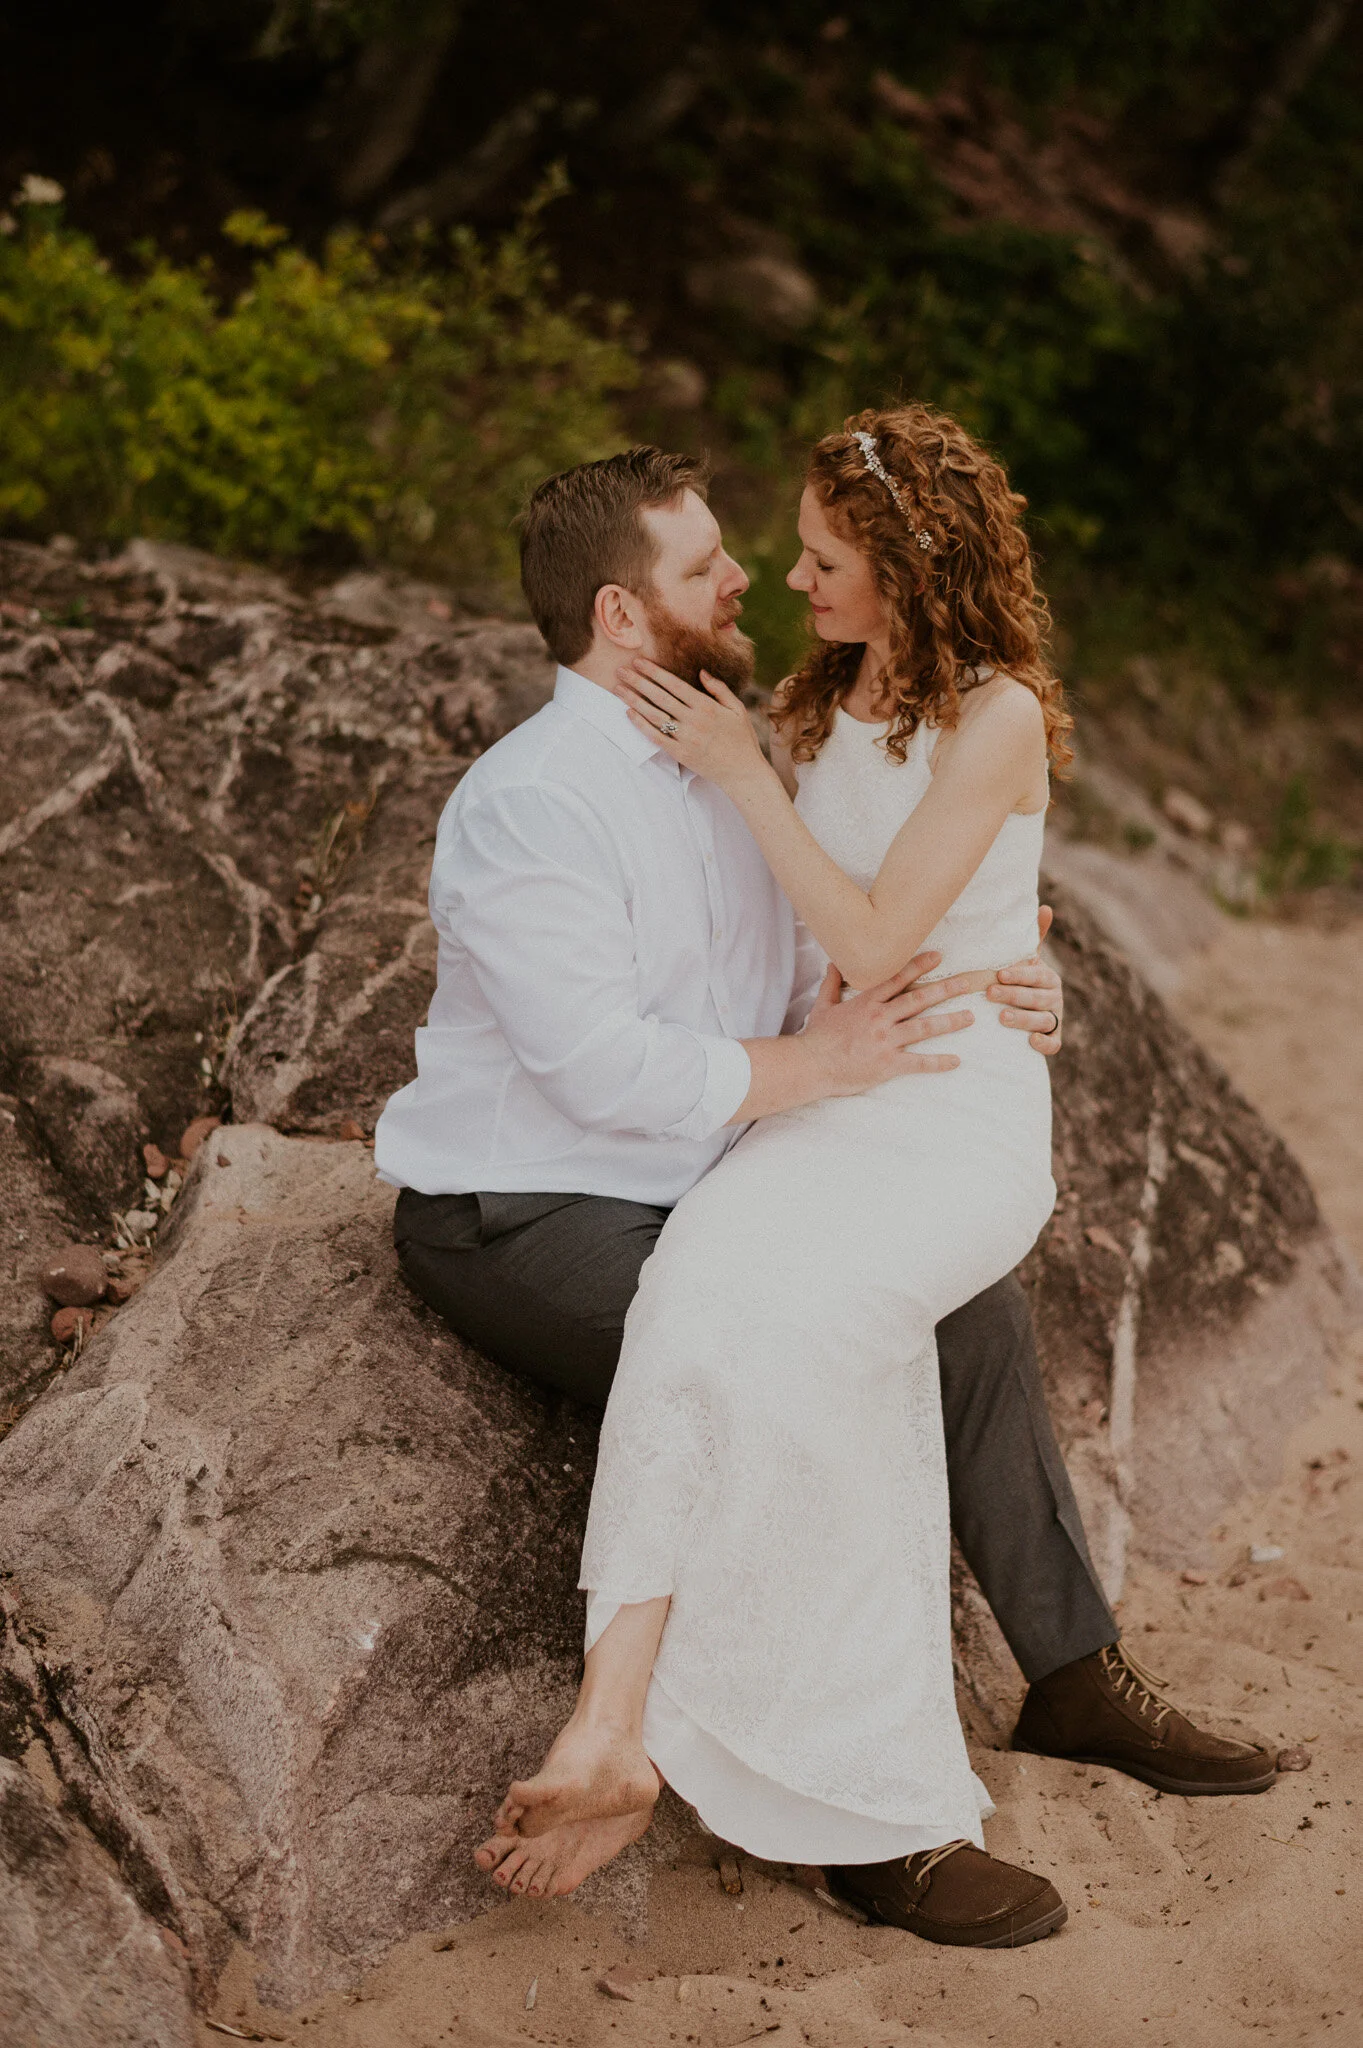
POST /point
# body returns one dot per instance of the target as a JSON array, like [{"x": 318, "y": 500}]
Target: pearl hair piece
[{"x": 871, "y": 457}]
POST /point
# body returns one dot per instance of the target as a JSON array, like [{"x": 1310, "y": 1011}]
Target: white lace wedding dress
[{"x": 772, "y": 1452}]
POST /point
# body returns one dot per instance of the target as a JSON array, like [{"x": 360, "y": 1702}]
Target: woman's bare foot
[
  {"x": 552, "y": 1864},
  {"x": 595, "y": 1771}
]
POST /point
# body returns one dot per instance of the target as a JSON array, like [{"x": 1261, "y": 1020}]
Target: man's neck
[{"x": 599, "y": 667}]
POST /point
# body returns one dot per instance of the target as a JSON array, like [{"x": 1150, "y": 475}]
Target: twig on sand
[
  {"x": 848, "y": 1912},
  {"x": 240, "y": 2034}
]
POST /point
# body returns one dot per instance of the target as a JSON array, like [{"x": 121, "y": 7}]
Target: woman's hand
[
  {"x": 708, "y": 731},
  {"x": 1029, "y": 988}
]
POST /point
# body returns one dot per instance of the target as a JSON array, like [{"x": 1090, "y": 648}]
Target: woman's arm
[{"x": 995, "y": 760}]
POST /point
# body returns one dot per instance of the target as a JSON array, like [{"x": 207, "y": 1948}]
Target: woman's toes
[
  {"x": 527, "y": 1878},
  {"x": 505, "y": 1873},
  {"x": 492, "y": 1852}
]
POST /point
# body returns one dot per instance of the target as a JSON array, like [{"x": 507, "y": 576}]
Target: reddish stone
[
  {"x": 68, "y": 1323},
  {"x": 156, "y": 1161},
  {"x": 75, "y": 1276},
  {"x": 351, "y": 1131},
  {"x": 196, "y": 1134}
]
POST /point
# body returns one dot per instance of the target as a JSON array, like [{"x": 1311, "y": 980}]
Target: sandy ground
[{"x": 1193, "y": 1922}]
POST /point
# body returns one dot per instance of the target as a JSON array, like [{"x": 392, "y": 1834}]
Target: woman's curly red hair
[{"x": 968, "y": 603}]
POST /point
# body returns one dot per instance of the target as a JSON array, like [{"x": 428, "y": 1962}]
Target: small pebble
[
  {"x": 156, "y": 1161},
  {"x": 68, "y": 1323},
  {"x": 1195, "y": 1578},
  {"x": 196, "y": 1133},
  {"x": 1266, "y": 1553},
  {"x": 731, "y": 1877},
  {"x": 1283, "y": 1589},
  {"x": 75, "y": 1276},
  {"x": 351, "y": 1131},
  {"x": 620, "y": 1979},
  {"x": 1294, "y": 1759}
]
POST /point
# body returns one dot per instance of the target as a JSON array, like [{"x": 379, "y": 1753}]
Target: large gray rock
[
  {"x": 86, "y": 1952},
  {"x": 1188, "y": 1298},
  {"x": 217, "y": 801},
  {"x": 80, "y": 1962},
  {"x": 314, "y": 1563}
]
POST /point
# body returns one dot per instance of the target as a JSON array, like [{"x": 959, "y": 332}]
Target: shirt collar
[{"x": 586, "y": 699}]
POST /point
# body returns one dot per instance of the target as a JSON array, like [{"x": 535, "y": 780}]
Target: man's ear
[{"x": 620, "y": 615}]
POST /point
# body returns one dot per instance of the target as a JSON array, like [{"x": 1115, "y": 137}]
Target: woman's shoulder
[{"x": 1003, "y": 707}]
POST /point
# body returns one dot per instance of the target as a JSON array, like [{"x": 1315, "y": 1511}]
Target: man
[{"x": 620, "y": 993}]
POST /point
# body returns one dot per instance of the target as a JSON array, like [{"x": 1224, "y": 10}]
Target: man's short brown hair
[{"x": 582, "y": 530}]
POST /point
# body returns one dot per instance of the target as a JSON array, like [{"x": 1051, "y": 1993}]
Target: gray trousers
[{"x": 542, "y": 1283}]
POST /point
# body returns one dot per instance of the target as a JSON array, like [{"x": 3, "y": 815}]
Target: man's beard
[{"x": 685, "y": 650}]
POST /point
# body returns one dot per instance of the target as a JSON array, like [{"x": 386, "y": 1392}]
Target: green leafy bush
[
  {"x": 386, "y": 403},
  {"x": 1300, "y": 854}
]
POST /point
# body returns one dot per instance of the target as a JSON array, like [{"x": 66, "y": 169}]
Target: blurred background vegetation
[{"x": 337, "y": 278}]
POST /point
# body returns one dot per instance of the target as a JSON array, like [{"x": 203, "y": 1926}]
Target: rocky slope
[
  {"x": 291, "y": 1570},
  {"x": 216, "y": 803}
]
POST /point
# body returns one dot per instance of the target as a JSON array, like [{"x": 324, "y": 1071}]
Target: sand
[{"x": 1193, "y": 1922}]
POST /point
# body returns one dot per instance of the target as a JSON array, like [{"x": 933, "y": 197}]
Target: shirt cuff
[{"x": 728, "y": 1077}]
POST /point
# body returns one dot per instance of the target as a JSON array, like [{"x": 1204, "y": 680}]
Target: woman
[{"x": 768, "y": 1547}]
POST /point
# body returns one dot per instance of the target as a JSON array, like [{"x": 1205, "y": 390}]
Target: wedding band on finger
[{"x": 669, "y": 726}]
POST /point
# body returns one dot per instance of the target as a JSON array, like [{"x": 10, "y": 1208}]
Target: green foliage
[
  {"x": 1008, "y": 328},
  {"x": 377, "y": 403},
  {"x": 1188, "y": 424},
  {"x": 1300, "y": 855}
]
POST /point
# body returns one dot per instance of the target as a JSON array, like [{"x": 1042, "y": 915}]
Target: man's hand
[
  {"x": 1034, "y": 994},
  {"x": 846, "y": 1048},
  {"x": 874, "y": 1036}
]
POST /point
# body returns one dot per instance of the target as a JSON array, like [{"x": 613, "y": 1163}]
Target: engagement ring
[{"x": 669, "y": 726}]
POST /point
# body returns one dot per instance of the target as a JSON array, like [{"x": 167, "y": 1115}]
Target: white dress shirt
[{"x": 608, "y": 933}]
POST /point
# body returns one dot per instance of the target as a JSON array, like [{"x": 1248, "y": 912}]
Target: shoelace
[
  {"x": 1130, "y": 1681},
  {"x": 928, "y": 1859}
]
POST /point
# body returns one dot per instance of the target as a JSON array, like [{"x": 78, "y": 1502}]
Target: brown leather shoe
[
  {"x": 955, "y": 1894},
  {"x": 1104, "y": 1709}
]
